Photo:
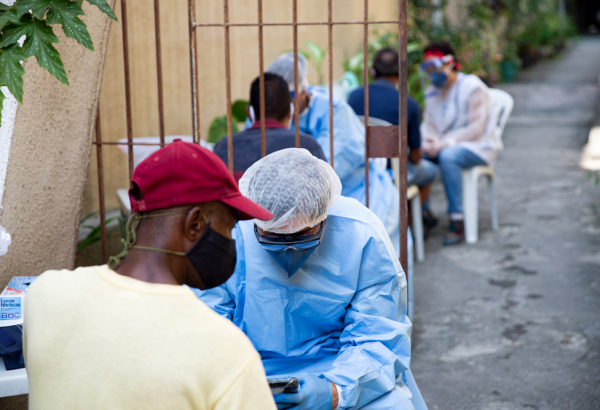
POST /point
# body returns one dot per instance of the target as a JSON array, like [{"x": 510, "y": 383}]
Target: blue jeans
[
  {"x": 421, "y": 174},
  {"x": 452, "y": 160}
]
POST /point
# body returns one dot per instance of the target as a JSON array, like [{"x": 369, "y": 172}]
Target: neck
[
  {"x": 392, "y": 79},
  {"x": 151, "y": 266},
  {"x": 452, "y": 78}
]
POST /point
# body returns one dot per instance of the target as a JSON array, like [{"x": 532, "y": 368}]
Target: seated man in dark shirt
[
  {"x": 384, "y": 105},
  {"x": 247, "y": 148}
]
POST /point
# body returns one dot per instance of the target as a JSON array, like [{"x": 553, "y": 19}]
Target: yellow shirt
[{"x": 98, "y": 340}]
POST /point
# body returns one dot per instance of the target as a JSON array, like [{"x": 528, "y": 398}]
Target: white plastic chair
[
  {"x": 412, "y": 194},
  {"x": 502, "y": 106}
]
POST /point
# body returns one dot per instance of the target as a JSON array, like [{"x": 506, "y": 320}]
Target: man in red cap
[{"x": 132, "y": 337}]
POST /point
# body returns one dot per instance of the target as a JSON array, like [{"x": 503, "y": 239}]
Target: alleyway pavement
[{"x": 513, "y": 322}]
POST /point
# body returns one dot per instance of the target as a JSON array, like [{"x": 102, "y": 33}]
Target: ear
[
  {"x": 194, "y": 224},
  {"x": 248, "y": 112}
]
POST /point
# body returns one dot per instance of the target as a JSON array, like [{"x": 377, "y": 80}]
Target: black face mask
[{"x": 213, "y": 256}]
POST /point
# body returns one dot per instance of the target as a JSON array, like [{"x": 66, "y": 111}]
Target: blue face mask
[
  {"x": 291, "y": 257},
  {"x": 438, "y": 79}
]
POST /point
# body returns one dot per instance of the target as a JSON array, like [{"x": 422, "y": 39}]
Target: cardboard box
[{"x": 13, "y": 296}]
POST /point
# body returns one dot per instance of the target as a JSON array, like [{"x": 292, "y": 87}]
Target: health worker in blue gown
[
  {"x": 318, "y": 290},
  {"x": 348, "y": 144}
]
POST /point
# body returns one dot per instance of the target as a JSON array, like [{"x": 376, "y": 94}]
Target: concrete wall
[
  {"x": 176, "y": 71},
  {"x": 49, "y": 160}
]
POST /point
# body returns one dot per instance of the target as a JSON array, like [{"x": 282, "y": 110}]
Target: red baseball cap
[{"x": 183, "y": 173}]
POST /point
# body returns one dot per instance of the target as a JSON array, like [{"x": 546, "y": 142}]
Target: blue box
[{"x": 13, "y": 296}]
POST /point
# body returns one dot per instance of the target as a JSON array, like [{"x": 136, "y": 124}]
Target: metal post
[
  {"x": 330, "y": 50},
  {"x": 366, "y": 80},
  {"x": 161, "y": 112},
  {"x": 101, "y": 188},
  {"x": 228, "y": 86},
  {"x": 262, "y": 82},
  {"x": 403, "y": 129},
  {"x": 296, "y": 90},
  {"x": 194, "y": 73},
  {"x": 127, "y": 87}
]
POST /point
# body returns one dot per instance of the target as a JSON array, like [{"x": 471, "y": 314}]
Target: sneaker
[
  {"x": 456, "y": 233},
  {"x": 429, "y": 222}
]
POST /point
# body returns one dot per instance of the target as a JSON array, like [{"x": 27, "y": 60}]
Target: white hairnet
[
  {"x": 296, "y": 187},
  {"x": 284, "y": 66}
]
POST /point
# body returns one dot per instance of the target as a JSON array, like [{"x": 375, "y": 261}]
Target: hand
[
  {"x": 433, "y": 146},
  {"x": 415, "y": 155},
  {"x": 314, "y": 394}
]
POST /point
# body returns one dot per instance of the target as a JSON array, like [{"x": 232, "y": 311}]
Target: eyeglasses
[
  {"x": 435, "y": 63},
  {"x": 289, "y": 239}
]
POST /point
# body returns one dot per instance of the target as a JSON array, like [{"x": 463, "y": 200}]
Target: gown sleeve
[
  {"x": 375, "y": 346},
  {"x": 428, "y": 128},
  {"x": 348, "y": 137}
]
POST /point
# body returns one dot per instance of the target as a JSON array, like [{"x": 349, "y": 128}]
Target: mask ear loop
[
  {"x": 252, "y": 115},
  {"x": 130, "y": 242},
  {"x": 291, "y": 115}
]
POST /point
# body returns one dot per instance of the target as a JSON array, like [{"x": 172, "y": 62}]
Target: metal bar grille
[
  {"x": 195, "y": 99},
  {"x": 127, "y": 85},
  {"x": 159, "y": 79},
  {"x": 296, "y": 23}
]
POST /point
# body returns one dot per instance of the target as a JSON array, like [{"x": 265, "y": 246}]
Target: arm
[
  {"x": 218, "y": 299},
  {"x": 428, "y": 129},
  {"x": 478, "y": 112},
  {"x": 249, "y": 390},
  {"x": 375, "y": 347},
  {"x": 415, "y": 155}
]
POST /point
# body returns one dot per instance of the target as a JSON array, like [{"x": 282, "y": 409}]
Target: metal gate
[{"x": 381, "y": 142}]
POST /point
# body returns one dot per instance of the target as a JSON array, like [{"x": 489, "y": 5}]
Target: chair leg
[
  {"x": 417, "y": 227},
  {"x": 493, "y": 205},
  {"x": 410, "y": 274},
  {"x": 470, "y": 205}
]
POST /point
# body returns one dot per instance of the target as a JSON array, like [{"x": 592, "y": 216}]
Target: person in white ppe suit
[
  {"x": 458, "y": 127},
  {"x": 319, "y": 290},
  {"x": 348, "y": 144}
]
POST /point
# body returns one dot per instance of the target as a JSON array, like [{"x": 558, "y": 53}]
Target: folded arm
[{"x": 375, "y": 347}]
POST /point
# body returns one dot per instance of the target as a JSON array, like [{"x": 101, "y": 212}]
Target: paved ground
[{"x": 513, "y": 321}]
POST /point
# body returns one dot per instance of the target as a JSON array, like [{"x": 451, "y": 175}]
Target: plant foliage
[{"x": 34, "y": 20}]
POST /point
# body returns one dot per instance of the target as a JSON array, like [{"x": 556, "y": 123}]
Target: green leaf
[
  {"x": 11, "y": 70},
  {"x": 39, "y": 44},
  {"x": 2, "y": 98},
  {"x": 65, "y": 12},
  {"x": 104, "y": 7},
  {"x": 38, "y": 7},
  {"x": 14, "y": 31},
  {"x": 317, "y": 52},
  {"x": 238, "y": 110},
  {"x": 8, "y": 16},
  {"x": 218, "y": 128}
]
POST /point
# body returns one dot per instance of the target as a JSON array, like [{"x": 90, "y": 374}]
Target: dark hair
[
  {"x": 443, "y": 47},
  {"x": 385, "y": 63},
  {"x": 277, "y": 97}
]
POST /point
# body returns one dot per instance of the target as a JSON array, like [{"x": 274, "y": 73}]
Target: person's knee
[
  {"x": 448, "y": 159},
  {"x": 430, "y": 172}
]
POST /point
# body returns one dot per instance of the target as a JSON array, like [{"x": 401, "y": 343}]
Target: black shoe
[
  {"x": 429, "y": 222},
  {"x": 456, "y": 233}
]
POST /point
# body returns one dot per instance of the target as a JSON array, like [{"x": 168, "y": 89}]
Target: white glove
[{"x": 4, "y": 241}]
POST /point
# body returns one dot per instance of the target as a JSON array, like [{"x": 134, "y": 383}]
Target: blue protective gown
[
  {"x": 342, "y": 316},
  {"x": 349, "y": 158}
]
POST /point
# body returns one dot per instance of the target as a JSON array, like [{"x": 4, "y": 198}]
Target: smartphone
[{"x": 288, "y": 385}]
